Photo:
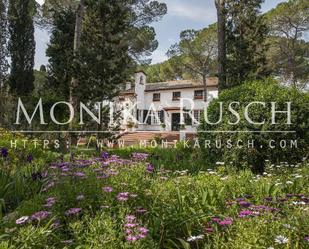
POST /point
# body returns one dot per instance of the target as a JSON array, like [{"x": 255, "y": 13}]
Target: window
[
  {"x": 199, "y": 94},
  {"x": 198, "y": 115},
  {"x": 155, "y": 116},
  {"x": 141, "y": 80},
  {"x": 161, "y": 116},
  {"x": 176, "y": 95},
  {"x": 156, "y": 96}
]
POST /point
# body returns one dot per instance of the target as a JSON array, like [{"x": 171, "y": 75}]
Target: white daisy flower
[
  {"x": 281, "y": 240},
  {"x": 195, "y": 238}
]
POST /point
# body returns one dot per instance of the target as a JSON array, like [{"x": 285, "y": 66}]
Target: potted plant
[
  {"x": 130, "y": 125},
  {"x": 163, "y": 126}
]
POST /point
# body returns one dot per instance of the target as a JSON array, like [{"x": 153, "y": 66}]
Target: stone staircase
[
  {"x": 135, "y": 138},
  {"x": 143, "y": 138}
]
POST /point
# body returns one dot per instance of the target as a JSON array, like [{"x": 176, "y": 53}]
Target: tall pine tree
[
  {"x": 60, "y": 52},
  {"x": 3, "y": 42},
  {"x": 246, "y": 35},
  {"x": 21, "y": 46}
]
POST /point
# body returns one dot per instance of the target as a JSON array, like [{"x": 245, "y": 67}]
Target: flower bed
[{"x": 110, "y": 202}]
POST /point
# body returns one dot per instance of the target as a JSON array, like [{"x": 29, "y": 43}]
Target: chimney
[{"x": 140, "y": 78}]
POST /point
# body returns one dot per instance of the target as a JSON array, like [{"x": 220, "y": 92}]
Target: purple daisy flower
[
  {"x": 141, "y": 210},
  {"x": 123, "y": 196},
  {"x": 150, "y": 168},
  {"x": 139, "y": 156},
  {"x": 50, "y": 202},
  {"x": 108, "y": 189},
  {"x": 246, "y": 213},
  {"x": 29, "y": 158},
  {"x": 80, "y": 174},
  {"x": 73, "y": 211},
  {"x": 22, "y": 220},
  {"x": 131, "y": 238},
  {"x": 268, "y": 199},
  {"x": 130, "y": 218},
  {"x": 130, "y": 225},
  {"x": 226, "y": 222},
  {"x": 4, "y": 152},
  {"x": 244, "y": 204},
  {"x": 143, "y": 230},
  {"x": 41, "y": 215},
  {"x": 105, "y": 155}
]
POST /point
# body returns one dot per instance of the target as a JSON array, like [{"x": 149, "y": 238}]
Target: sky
[{"x": 182, "y": 15}]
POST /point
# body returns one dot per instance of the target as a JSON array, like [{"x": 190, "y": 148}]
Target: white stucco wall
[
  {"x": 167, "y": 99},
  {"x": 144, "y": 101}
]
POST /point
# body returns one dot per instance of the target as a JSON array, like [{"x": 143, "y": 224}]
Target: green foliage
[
  {"x": 197, "y": 52},
  {"x": 288, "y": 55},
  {"x": 103, "y": 46},
  {"x": 115, "y": 44},
  {"x": 192, "y": 58},
  {"x": 166, "y": 71},
  {"x": 246, "y": 34},
  {"x": 178, "y": 159},
  {"x": 20, "y": 179},
  {"x": 40, "y": 83},
  {"x": 60, "y": 52},
  {"x": 3, "y": 42},
  {"x": 261, "y": 91},
  {"x": 21, "y": 46}
]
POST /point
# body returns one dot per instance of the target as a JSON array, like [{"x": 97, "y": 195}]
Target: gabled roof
[{"x": 180, "y": 84}]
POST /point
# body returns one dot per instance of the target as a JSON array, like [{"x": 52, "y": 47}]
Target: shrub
[{"x": 260, "y": 91}]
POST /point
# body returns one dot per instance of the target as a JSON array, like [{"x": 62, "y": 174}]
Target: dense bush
[{"x": 261, "y": 91}]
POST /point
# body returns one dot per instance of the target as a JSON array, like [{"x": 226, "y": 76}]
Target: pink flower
[
  {"x": 123, "y": 196},
  {"x": 246, "y": 213},
  {"x": 108, "y": 189},
  {"x": 131, "y": 238},
  {"x": 226, "y": 222},
  {"x": 143, "y": 230},
  {"x": 130, "y": 225},
  {"x": 130, "y": 218}
]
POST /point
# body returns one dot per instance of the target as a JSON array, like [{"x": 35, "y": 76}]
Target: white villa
[{"x": 157, "y": 106}]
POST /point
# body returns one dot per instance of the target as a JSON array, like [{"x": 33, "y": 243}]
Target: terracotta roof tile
[{"x": 179, "y": 84}]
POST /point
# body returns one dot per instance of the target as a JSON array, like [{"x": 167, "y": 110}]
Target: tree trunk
[
  {"x": 205, "y": 87},
  {"x": 77, "y": 40},
  {"x": 220, "y": 5}
]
